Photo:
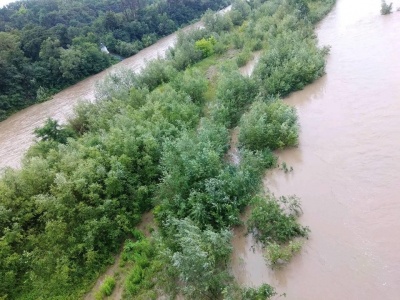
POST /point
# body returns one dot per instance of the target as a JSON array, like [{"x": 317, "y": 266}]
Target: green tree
[
  {"x": 201, "y": 259},
  {"x": 52, "y": 131},
  {"x": 71, "y": 62}
]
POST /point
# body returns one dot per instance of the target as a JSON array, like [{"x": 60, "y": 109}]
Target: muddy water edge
[{"x": 346, "y": 168}]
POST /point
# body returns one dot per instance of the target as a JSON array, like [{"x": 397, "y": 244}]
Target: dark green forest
[
  {"x": 158, "y": 141},
  {"x": 47, "y": 45}
]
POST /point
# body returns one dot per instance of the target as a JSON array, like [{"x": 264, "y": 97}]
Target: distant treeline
[{"x": 46, "y": 45}]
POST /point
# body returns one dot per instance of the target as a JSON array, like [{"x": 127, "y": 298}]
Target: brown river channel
[{"x": 346, "y": 168}]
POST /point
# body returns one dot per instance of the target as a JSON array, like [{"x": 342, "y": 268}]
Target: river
[{"x": 346, "y": 168}]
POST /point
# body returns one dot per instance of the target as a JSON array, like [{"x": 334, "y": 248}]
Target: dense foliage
[
  {"x": 155, "y": 140},
  {"x": 270, "y": 125},
  {"x": 47, "y": 45}
]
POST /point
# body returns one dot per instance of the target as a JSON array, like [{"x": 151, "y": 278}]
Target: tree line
[{"x": 49, "y": 45}]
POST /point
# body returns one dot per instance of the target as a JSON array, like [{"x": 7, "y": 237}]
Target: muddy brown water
[
  {"x": 16, "y": 133},
  {"x": 346, "y": 168}
]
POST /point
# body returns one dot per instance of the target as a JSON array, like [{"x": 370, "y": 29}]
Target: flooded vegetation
[{"x": 190, "y": 138}]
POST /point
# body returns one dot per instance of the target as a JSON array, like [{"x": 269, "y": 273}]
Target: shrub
[
  {"x": 200, "y": 260},
  {"x": 106, "y": 288},
  {"x": 156, "y": 72},
  {"x": 269, "y": 125},
  {"x": 142, "y": 255},
  {"x": 270, "y": 223},
  {"x": 234, "y": 93},
  {"x": 215, "y": 22},
  {"x": 206, "y": 46},
  {"x": 193, "y": 83},
  {"x": 385, "y": 8},
  {"x": 291, "y": 62},
  {"x": 243, "y": 57},
  {"x": 235, "y": 292},
  {"x": 276, "y": 253},
  {"x": 185, "y": 53},
  {"x": 273, "y": 224},
  {"x": 52, "y": 131}
]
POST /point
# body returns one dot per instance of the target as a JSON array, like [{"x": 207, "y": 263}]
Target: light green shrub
[{"x": 106, "y": 288}]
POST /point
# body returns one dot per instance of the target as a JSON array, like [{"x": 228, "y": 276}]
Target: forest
[
  {"x": 157, "y": 142},
  {"x": 47, "y": 45}
]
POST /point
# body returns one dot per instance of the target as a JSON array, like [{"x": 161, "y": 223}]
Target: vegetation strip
[
  {"x": 49, "y": 45},
  {"x": 158, "y": 140}
]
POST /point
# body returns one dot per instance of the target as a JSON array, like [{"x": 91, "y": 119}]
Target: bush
[
  {"x": 106, "y": 288},
  {"x": 52, "y": 131},
  {"x": 385, "y": 8},
  {"x": 276, "y": 253},
  {"x": 291, "y": 62},
  {"x": 243, "y": 57},
  {"x": 215, "y": 22},
  {"x": 270, "y": 223},
  {"x": 273, "y": 224},
  {"x": 142, "y": 254},
  {"x": 235, "y": 292},
  {"x": 200, "y": 259},
  {"x": 155, "y": 73},
  {"x": 193, "y": 83},
  {"x": 269, "y": 125},
  {"x": 239, "y": 12},
  {"x": 185, "y": 53},
  {"x": 206, "y": 46},
  {"x": 234, "y": 93}
]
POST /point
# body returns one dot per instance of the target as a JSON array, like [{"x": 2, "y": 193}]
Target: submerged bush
[
  {"x": 276, "y": 253},
  {"x": 273, "y": 224},
  {"x": 235, "y": 292}
]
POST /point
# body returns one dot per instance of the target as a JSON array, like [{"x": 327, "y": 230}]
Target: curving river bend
[{"x": 346, "y": 168}]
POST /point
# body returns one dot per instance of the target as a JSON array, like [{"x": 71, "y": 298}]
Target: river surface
[
  {"x": 16, "y": 132},
  {"x": 346, "y": 168}
]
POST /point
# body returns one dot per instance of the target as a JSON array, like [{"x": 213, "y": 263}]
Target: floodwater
[
  {"x": 346, "y": 168},
  {"x": 16, "y": 132}
]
